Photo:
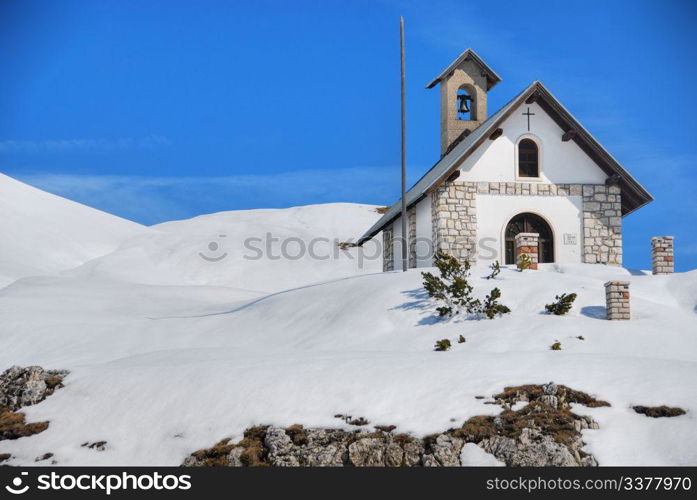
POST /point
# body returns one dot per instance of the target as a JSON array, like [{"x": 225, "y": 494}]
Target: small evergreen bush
[
  {"x": 451, "y": 287},
  {"x": 461, "y": 340},
  {"x": 491, "y": 307},
  {"x": 561, "y": 305},
  {"x": 453, "y": 290},
  {"x": 556, "y": 346},
  {"x": 442, "y": 345},
  {"x": 495, "y": 270},
  {"x": 524, "y": 262}
]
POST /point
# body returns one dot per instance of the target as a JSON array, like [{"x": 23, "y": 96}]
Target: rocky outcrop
[
  {"x": 20, "y": 387},
  {"x": 542, "y": 433},
  {"x": 25, "y": 386}
]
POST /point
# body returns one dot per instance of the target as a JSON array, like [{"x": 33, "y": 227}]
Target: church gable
[{"x": 529, "y": 148}]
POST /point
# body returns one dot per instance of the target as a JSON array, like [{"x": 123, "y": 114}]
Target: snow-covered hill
[
  {"x": 159, "y": 371},
  {"x": 256, "y": 250},
  {"x": 41, "y": 233},
  {"x": 170, "y": 352}
]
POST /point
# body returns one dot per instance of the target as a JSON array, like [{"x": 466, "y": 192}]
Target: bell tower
[{"x": 463, "y": 92}]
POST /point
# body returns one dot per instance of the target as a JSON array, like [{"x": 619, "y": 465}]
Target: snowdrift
[
  {"x": 41, "y": 233},
  {"x": 256, "y": 250}
]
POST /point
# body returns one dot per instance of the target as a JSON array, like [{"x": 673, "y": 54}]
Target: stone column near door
[
  {"x": 454, "y": 217},
  {"x": 388, "y": 248},
  {"x": 411, "y": 223},
  {"x": 617, "y": 300},
  {"x": 662, "y": 254},
  {"x": 602, "y": 224},
  {"x": 527, "y": 244}
]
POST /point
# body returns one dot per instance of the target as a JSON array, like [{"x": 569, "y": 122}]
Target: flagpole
[{"x": 404, "y": 151}]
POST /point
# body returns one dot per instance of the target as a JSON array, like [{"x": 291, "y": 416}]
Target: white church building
[{"x": 529, "y": 169}]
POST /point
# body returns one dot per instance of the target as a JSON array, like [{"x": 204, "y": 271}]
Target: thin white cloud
[
  {"x": 61, "y": 145},
  {"x": 160, "y": 198}
]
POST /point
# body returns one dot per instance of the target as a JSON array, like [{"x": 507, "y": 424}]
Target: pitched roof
[
  {"x": 491, "y": 77},
  {"x": 634, "y": 195}
]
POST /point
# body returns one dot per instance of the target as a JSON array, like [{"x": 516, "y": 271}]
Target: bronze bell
[{"x": 463, "y": 101}]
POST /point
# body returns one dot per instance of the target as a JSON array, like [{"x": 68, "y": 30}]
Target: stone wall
[
  {"x": 602, "y": 224},
  {"x": 454, "y": 218},
  {"x": 454, "y": 215},
  {"x": 388, "y": 248},
  {"x": 411, "y": 231},
  {"x": 602, "y": 213}
]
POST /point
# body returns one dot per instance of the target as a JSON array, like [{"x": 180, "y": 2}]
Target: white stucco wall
[
  {"x": 560, "y": 162},
  {"x": 564, "y": 214},
  {"x": 424, "y": 233}
]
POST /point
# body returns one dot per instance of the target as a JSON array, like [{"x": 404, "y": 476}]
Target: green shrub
[
  {"x": 495, "y": 270},
  {"x": 442, "y": 345},
  {"x": 556, "y": 346},
  {"x": 461, "y": 340},
  {"x": 451, "y": 287},
  {"x": 561, "y": 305},
  {"x": 453, "y": 290},
  {"x": 491, "y": 307},
  {"x": 524, "y": 262}
]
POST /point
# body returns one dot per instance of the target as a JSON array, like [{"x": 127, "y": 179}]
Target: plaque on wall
[{"x": 569, "y": 238}]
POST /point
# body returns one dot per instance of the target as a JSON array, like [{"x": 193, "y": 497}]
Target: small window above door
[{"x": 528, "y": 159}]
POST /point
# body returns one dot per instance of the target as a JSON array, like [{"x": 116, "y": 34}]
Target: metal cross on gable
[{"x": 529, "y": 114}]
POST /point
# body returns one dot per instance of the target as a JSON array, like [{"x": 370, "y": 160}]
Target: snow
[
  {"x": 473, "y": 456},
  {"x": 41, "y": 233},
  {"x": 245, "y": 249},
  {"x": 170, "y": 353}
]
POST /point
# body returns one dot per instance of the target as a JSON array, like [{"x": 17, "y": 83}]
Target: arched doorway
[{"x": 530, "y": 223}]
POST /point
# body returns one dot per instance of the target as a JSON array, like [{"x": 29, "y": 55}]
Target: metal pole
[{"x": 404, "y": 152}]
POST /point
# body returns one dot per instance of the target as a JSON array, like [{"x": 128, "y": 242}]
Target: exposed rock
[
  {"x": 531, "y": 449},
  {"x": 25, "y": 386},
  {"x": 413, "y": 451},
  {"x": 550, "y": 400},
  {"x": 550, "y": 389},
  {"x": 446, "y": 450},
  {"x": 97, "y": 445},
  {"x": 543, "y": 433},
  {"x": 367, "y": 452}
]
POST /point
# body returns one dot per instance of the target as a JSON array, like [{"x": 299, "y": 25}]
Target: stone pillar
[
  {"x": 602, "y": 224},
  {"x": 662, "y": 254},
  {"x": 411, "y": 228},
  {"x": 454, "y": 218},
  {"x": 527, "y": 243},
  {"x": 388, "y": 248},
  {"x": 617, "y": 300}
]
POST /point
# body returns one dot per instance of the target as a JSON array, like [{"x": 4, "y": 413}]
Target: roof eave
[{"x": 492, "y": 77}]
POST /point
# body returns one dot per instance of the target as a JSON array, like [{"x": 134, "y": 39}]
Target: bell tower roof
[{"x": 491, "y": 77}]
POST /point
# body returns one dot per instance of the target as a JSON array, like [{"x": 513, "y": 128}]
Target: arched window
[
  {"x": 528, "y": 159},
  {"x": 530, "y": 223},
  {"x": 465, "y": 106}
]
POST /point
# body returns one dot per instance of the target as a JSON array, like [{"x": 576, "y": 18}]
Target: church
[{"x": 527, "y": 177}]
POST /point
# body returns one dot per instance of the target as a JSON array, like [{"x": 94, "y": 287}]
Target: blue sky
[{"x": 156, "y": 110}]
